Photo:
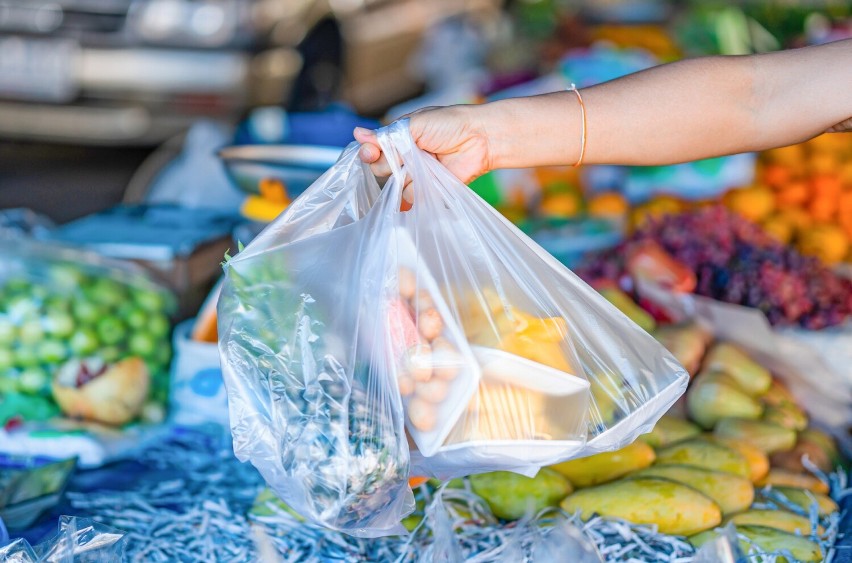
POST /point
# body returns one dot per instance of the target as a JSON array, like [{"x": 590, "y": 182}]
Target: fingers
[{"x": 370, "y": 153}]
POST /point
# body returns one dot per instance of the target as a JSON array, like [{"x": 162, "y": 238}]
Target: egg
[
  {"x": 406, "y": 385},
  {"x": 433, "y": 391},
  {"x": 422, "y": 300},
  {"x": 422, "y": 415},
  {"x": 407, "y": 282},
  {"x": 430, "y": 324},
  {"x": 419, "y": 362}
]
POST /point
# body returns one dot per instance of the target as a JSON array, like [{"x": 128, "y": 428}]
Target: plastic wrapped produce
[
  {"x": 348, "y": 319},
  {"x": 80, "y": 332}
]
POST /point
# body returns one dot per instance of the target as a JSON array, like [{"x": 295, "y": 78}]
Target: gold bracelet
[{"x": 574, "y": 89}]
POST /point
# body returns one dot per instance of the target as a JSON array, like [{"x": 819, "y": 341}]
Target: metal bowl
[{"x": 296, "y": 166}]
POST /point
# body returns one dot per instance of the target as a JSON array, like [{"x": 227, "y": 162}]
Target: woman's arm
[{"x": 682, "y": 111}]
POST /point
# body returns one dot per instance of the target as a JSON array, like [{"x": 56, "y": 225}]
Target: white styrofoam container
[{"x": 403, "y": 252}]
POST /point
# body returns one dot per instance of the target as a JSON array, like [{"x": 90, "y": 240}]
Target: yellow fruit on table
[
  {"x": 561, "y": 205},
  {"x": 754, "y": 203},
  {"x": 827, "y": 242},
  {"x": 606, "y": 466},
  {"x": 779, "y": 228},
  {"x": 784, "y": 478},
  {"x": 822, "y": 162},
  {"x": 797, "y": 217},
  {"x": 793, "y": 194},
  {"x": 609, "y": 204},
  {"x": 673, "y": 507},
  {"x": 792, "y": 155},
  {"x": 732, "y": 493},
  {"x": 655, "y": 208}
]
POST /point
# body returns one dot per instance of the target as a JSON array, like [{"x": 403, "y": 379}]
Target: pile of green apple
[{"x": 50, "y": 313}]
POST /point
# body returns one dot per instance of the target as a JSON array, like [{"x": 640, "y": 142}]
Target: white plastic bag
[{"x": 348, "y": 319}]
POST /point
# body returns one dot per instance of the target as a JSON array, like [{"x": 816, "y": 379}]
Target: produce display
[
  {"x": 732, "y": 460},
  {"x": 803, "y": 196},
  {"x": 81, "y": 337},
  {"x": 736, "y": 261}
]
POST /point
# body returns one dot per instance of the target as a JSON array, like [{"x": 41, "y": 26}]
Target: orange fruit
[
  {"x": 827, "y": 242},
  {"x": 779, "y": 227},
  {"x": 561, "y": 205},
  {"x": 794, "y": 194},
  {"x": 547, "y": 175},
  {"x": 796, "y": 217},
  {"x": 828, "y": 142},
  {"x": 754, "y": 203},
  {"x": 415, "y": 482},
  {"x": 777, "y": 175},
  {"x": 792, "y": 155},
  {"x": 846, "y": 225},
  {"x": 844, "y": 203},
  {"x": 823, "y": 209},
  {"x": 826, "y": 186},
  {"x": 609, "y": 204},
  {"x": 654, "y": 208},
  {"x": 845, "y": 172},
  {"x": 823, "y": 163}
]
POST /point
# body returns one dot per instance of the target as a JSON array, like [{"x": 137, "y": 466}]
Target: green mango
[
  {"x": 511, "y": 495},
  {"x": 606, "y": 466},
  {"x": 732, "y": 493},
  {"x": 758, "y": 462},
  {"x": 768, "y": 540},
  {"x": 805, "y": 498},
  {"x": 687, "y": 343},
  {"x": 778, "y": 519},
  {"x": 714, "y": 396},
  {"x": 787, "y": 415},
  {"x": 626, "y": 305},
  {"x": 706, "y": 455},
  {"x": 674, "y": 508},
  {"x": 771, "y": 539},
  {"x": 751, "y": 377},
  {"x": 784, "y": 478},
  {"x": 768, "y": 437},
  {"x": 670, "y": 430}
]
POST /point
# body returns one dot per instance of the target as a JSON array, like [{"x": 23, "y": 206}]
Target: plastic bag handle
[{"x": 397, "y": 145}]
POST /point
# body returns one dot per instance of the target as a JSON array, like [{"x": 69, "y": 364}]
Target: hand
[
  {"x": 454, "y": 134},
  {"x": 842, "y": 127}
]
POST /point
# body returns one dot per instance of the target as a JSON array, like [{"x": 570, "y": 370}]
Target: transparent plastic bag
[
  {"x": 444, "y": 319},
  {"x": 79, "y": 540},
  {"x": 70, "y": 318}
]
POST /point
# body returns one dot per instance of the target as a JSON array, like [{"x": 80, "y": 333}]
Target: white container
[
  {"x": 402, "y": 252},
  {"x": 524, "y": 409},
  {"x": 198, "y": 394}
]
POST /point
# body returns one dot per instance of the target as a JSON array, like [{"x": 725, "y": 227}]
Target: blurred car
[{"x": 135, "y": 72}]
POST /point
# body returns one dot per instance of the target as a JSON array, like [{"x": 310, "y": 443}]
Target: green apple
[
  {"x": 150, "y": 299},
  {"x": 52, "y": 351},
  {"x": 84, "y": 342},
  {"x": 7, "y": 360},
  {"x": 110, "y": 354},
  {"x": 111, "y": 330},
  {"x": 59, "y": 324},
  {"x": 142, "y": 344},
  {"x": 8, "y": 331},
  {"x": 86, "y": 312},
  {"x": 158, "y": 325},
  {"x": 22, "y": 309},
  {"x": 25, "y": 356},
  {"x": 107, "y": 292},
  {"x": 33, "y": 380},
  {"x": 31, "y": 331}
]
